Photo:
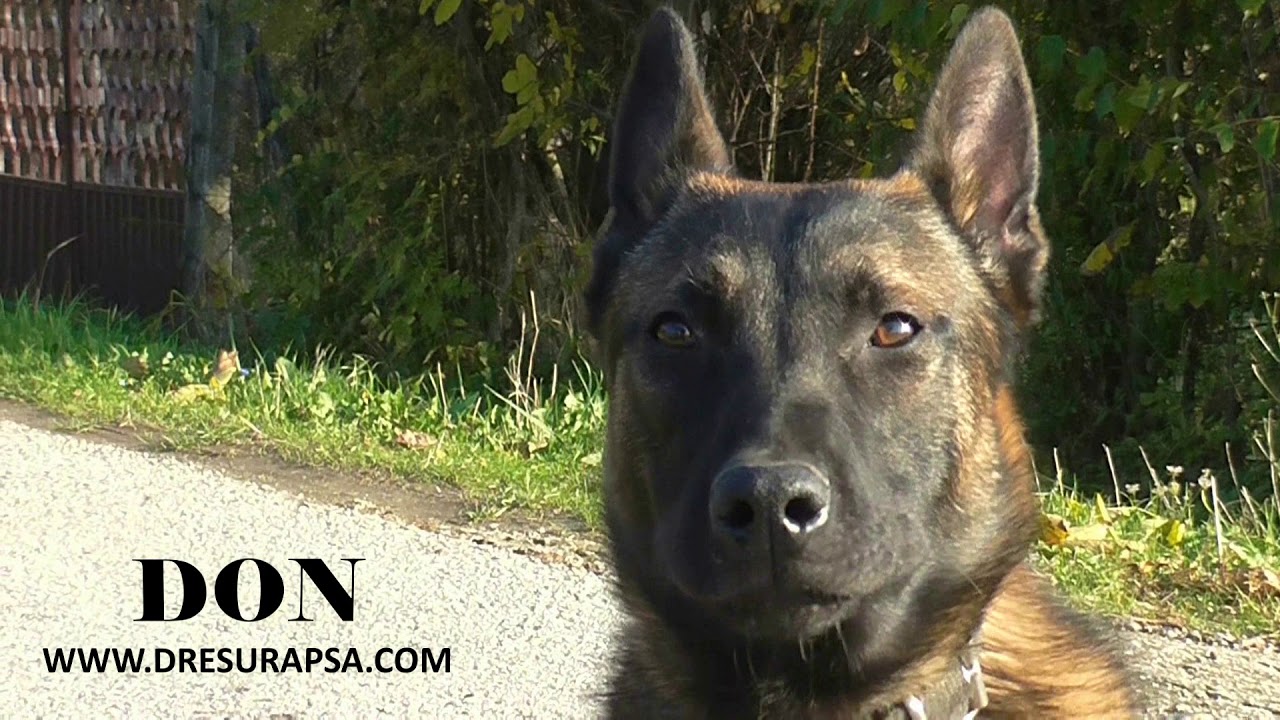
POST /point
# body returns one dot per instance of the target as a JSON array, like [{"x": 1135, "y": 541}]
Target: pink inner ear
[
  {"x": 1001, "y": 186},
  {"x": 988, "y": 160}
]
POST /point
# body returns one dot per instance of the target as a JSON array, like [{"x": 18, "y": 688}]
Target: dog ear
[
  {"x": 663, "y": 132},
  {"x": 664, "y": 127},
  {"x": 978, "y": 153}
]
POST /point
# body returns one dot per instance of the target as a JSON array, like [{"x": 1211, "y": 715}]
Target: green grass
[
  {"x": 532, "y": 446},
  {"x": 1176, "y": 555}
]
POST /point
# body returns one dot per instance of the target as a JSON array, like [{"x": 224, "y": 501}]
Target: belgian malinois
[{"x": 819, "y": 499}]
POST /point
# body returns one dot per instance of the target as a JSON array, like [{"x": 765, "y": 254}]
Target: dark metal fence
[{"x": 93, "y": 116}]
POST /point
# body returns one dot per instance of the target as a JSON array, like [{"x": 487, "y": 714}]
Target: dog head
[{"x": 810, "y": 429}]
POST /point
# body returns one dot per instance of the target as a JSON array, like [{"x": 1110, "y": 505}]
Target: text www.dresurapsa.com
[{"x": 244, "y": 660}]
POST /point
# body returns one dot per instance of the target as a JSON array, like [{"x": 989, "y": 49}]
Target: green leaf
[
  {"x": 884, "y": 12},
  {"x": 446, "y": 10},
  {"x": 517, "y": 123},
  {"x": 1250, "y": 7},
  {"x": 958, "y": 15},
  {"x": 524, "y": 74},
  {"x": 1226, "y": 137},
  {"x": 1053, "y": 48},
  {"x": 501, "y": 22},
  {"x": 1134, "y": 104},
  {"x": 1140, "y": 95},
  {"x": 1152, "y": 163},
  {"x": 1106, "y": 101},
  {"x": 1093, "y": 66},
  {"x": 425, "y": 7},
  {"x": 1127, "y": 116},
  {"x": 1266, "y": 142},
  {"x": 1084, "y": 98}
]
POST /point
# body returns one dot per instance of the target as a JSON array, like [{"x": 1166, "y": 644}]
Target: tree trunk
[{"x": 210, "y": 284}]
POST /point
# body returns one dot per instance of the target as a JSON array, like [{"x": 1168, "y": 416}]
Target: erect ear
[
  {"x": 664, "y": 127},
  {"x": 978, "y": 152},
  {"x": 663, "y": 132}
]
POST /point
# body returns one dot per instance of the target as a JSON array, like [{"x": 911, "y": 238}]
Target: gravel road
[{"x": 527, "y": 632}]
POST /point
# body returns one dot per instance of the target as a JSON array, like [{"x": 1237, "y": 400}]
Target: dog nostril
[
  {"x": 739, "y": 516},
  {"x": 804, "y": 513}
]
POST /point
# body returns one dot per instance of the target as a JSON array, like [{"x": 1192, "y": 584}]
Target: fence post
[{"x": 210, "y": 285}]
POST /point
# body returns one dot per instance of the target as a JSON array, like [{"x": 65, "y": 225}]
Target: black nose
[{"x": 750, "y": 502}]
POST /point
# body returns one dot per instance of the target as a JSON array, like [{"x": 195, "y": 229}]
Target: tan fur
[
  {"x": 905, "y": 185},
  {"x": 1037, "y": 663},
  {"x": 1039, "y": 667}
]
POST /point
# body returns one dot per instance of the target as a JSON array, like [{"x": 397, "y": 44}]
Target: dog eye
[
  {"x": 671, "y": 330},
  {"x": 895, "y": 330}
]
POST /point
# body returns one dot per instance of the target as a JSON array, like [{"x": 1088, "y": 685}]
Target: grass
[
  {"x": 1178, "y": 554},
  {"x": 530, "y": 447},
  {"x": 1169, "y": 557}
]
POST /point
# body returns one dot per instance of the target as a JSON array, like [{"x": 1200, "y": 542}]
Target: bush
[{"x": 445, "y": 164}]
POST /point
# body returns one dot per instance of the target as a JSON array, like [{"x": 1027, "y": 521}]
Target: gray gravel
[{"x": 527, "y": 637}]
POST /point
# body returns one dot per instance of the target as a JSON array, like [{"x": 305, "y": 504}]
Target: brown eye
[
  {"x": 672, "y": 331},
  {"x": 895, "y": 330}
]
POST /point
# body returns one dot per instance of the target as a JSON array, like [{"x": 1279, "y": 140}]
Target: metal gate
[{"x": 93, "y": 120}]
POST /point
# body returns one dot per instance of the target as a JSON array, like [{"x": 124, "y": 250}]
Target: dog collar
[{"x": 961, "y": 696}]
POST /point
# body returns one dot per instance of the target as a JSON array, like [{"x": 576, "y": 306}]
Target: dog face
[{"x": 807, "y": 381}]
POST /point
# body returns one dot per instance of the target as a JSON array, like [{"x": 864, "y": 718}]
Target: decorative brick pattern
[
  {"x": 32, "y": 95},
  {"x": 129, "y": 63}
]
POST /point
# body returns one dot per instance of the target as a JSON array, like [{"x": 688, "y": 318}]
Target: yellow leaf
[
  {"x": 193, "y": 392},
  {"x": 1098, "y": 260},
  {"x": 1053, "y": 529},
  {"x": 1174, "y": 532},
  {"x": 1105, "y": 252},
  {"x": 1100, "y": 507}
]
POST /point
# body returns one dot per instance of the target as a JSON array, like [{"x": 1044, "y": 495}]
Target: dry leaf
[
  {"x": 225, "y": 367},
  {"x": 1053, "y": 529},
  {"x": 414, "y": 440},
  {"x": 1088, "y": 533},
  {"x": 136, "y": 366}
]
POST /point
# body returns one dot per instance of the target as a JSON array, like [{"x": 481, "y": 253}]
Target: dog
[{"x": 818, "y": 497}]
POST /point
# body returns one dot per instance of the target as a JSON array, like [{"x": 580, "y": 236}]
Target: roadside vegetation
[{"x": 1187, "y": 546}]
